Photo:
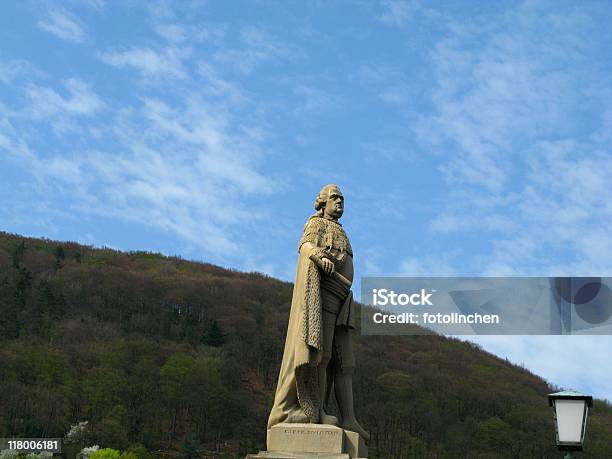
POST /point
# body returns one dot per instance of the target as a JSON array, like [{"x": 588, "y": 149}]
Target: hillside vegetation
[{"x": 178, "y": 358}]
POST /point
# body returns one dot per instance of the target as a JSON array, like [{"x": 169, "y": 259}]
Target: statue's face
[{"x": 334, "y": 207}]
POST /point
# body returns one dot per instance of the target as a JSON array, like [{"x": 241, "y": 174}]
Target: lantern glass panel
[{"x": 570, "y": 419}]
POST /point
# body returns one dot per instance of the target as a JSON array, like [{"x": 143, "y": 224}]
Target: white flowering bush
[
  {"x": 41, "y": 455},
  {"x": 88, "y": 451},
  {"x": 76, "y": 431},
  {"x": 13, "y": 454}
]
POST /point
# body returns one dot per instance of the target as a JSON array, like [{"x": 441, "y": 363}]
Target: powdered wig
[{"x": 321, "y": 200}]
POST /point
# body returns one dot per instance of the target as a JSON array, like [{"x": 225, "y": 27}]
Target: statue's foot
[
  {"x": 328, "y": 419},
  {"x": 297, "y": 417},
  {"x": 353, "y": 425}
]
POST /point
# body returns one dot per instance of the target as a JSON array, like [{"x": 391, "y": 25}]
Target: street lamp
[{"x": 570, "y": 409}]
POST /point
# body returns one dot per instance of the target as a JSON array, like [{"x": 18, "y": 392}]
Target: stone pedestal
[
  {"x": 281, "y": 455},
  {"x": 354, "y": 445},
  {"x": 312, "y": 441}
]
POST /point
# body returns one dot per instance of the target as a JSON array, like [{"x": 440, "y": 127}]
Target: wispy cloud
[
  {"x": 397, "y": 12},
  {"x": 166, "y": 62},
  {"x": 173, "y": 33},
  {"x": 515, "y": 164},
  {"x": 223, "y": 89},
  {"x": 313, "y": 100},
  {"x": 63, "y": 25},
  {"x": 95, "y": 5},
  {"x": 12, "y": 143},
  {"x": 12, "y": 69},
  {"x": 429, "y": 265},
  {"x": 259, "y": 46},
  {"x": 388, "y": 83},
  {"x": 180, "y": 170},
  {"x": 183, "y": 161},
  {"x": 81, "y": 100},
  {"x": 514, "y": 88}
]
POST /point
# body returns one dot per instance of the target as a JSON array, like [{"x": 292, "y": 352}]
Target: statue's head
[{"x": 330, "y": 202}]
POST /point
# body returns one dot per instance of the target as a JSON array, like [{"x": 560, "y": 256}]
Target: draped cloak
[{"x": 297, "y": 392}]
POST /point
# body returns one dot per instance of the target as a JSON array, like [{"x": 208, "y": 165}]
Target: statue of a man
[{"x": 318, "y": 348}]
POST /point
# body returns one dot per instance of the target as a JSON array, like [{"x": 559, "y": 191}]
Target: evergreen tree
[
  {"x": 212, "y": 335},
  {"x": 189, "y": 449},
  {"x": 24, "y": 282},
  {"x": 18, "y": 254},
  {"x": 59, "y": 256}
]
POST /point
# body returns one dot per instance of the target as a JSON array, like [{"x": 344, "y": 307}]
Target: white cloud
[
  {"x": 259, "y": 47},
  {"x": 314, "y": 100},
  {"x": 95, "y": 5},
  {"x": 10, "y": 70},
  {"x": 176, "y": 33},
  {"x": 183, "y": 161},
  {"x": 393, "y": 95},
  {"x": 173, "y": 33},
  {"x": 167, "y": 62},
  {"x": 187, "y": 167},
  {"x": 63, "y": 25},
  {"x": 67, "y": 168},
  {"x": 515, "y": 165},
  {"x": 428, "y": 265},
  {"x": 397, "y": 12},
  {"x": 81, "y": 100},
  {"x": 388, "y": 83},
  {"x": 221, "y": 88},
  {"x": 11, "y": 142},
  {"x": 515, "y": 86}
]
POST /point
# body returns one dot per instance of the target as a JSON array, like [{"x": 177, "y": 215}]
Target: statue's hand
[{"x": 327, "y": 265}]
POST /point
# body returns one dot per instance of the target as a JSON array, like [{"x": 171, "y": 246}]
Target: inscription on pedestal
[{"x": 305, "y": 438}]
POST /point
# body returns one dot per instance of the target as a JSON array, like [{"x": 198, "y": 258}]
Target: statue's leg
[
  {"x": 329, "y": 323},
  {"x": 343, "y": 382},
  {"x": 331, "y": 371}
]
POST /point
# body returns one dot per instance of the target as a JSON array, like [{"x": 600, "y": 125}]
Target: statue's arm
[{"x": 308, "y": 249}]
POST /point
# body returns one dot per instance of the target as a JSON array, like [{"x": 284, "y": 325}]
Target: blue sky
[{"x": 469, "y": 138}]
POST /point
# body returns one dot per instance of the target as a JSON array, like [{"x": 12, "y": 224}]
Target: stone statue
[{"x": 318, "y": 349}]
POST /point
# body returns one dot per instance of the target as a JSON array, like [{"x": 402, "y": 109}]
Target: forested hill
[{"x": 166, "y": 356}]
